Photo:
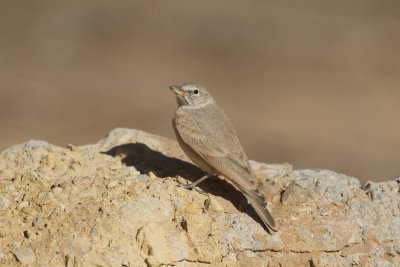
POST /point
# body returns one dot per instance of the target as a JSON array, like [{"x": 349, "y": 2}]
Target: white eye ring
[{"x": 195, "y": 91}]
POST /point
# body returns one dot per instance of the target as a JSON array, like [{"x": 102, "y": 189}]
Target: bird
[{"x": 208, "y": 138}]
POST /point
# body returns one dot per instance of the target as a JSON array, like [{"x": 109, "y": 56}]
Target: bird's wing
[
  {"x": 245, "y": 182},
  {"x": 209, "y": 132}
]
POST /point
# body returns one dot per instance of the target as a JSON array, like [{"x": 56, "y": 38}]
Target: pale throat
[{"x": 192, "y": 106}]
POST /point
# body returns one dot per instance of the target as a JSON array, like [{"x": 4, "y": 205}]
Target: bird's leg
[{"x": 194, "y": 184}]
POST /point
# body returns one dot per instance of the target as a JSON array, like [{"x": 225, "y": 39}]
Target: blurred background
[{"x": 312, "y": 83}]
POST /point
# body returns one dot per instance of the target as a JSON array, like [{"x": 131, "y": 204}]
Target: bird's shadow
[{"x": 146, "y": 160}]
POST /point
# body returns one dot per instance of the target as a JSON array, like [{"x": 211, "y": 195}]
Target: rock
[
  {"x": 4, "y": 203},
  {"x": 212, "y": 205},
  {"x": 294, "y": 195},
  {"x": 117, "y": 203},
  {"x": 38, "y": 221},
  {"x": 15, "y": 244},
  {"x": 140, "y": 177},
  {"x": 25, "y": 255},
  {"x": 125, "y": 263},
  {"x": 193, "y": 208},
  {"x": 57, "y": 190},
  {"x": 112, "y": 184},
  {"x": 153, "y": 244}
]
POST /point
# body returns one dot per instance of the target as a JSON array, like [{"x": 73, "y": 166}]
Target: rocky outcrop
[{"x": 117, "y": 203}]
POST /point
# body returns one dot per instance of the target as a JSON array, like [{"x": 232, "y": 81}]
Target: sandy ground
[{"x": 314, "y": 84}]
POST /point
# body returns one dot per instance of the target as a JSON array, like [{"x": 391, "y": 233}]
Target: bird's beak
[{"x": 177, "y": 90}]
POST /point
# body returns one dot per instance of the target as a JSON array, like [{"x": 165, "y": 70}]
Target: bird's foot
[{"x": 192, "y": 186}]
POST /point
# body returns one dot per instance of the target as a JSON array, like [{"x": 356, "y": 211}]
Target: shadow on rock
[{"x": 146, "y": 160}]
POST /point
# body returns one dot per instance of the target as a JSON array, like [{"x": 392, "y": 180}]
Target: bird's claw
[{"x": 192, "y": 187}]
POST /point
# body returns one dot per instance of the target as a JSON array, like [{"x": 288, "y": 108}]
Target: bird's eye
[{"x": 196, "y": 92}]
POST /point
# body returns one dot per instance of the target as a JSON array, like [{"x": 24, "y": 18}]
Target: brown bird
[{"x": 207, "y": 137}]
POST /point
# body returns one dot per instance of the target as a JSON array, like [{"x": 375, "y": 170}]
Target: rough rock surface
[{"x": 117, "y": 203}]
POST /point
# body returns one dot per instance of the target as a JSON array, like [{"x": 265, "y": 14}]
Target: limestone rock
[
  {"x": 154, "y": 246},
  {"x": 294, "y": 194},
  {"x": 25, "y": 255},
  {"x": 4, "y": 203},
  {"x": 212, "y": 205},
  {"x": 117, "y": 203}
]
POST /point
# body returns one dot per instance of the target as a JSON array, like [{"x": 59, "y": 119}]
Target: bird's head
[{"x": 192, "y": 95}]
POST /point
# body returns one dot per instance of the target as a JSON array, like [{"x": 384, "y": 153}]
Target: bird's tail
[{"x": 257, "y": 200}]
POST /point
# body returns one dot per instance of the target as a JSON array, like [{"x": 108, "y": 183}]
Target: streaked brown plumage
[{"x": 207, "y": 137}]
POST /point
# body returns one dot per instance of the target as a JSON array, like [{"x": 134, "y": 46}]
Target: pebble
[
  {"x": 213, "y": 205},
  {"x": 152, "y": 175},
  {"x": 25, "y": 255},
  {"x": 23, "y": 204},
  {"x": 112, "y": 184},
  {"x": 141, "y": 177},
  {"x": 294, "y": 195},
  {"x": 135, "y": 178},
  {"x": 4, "y": 203},
  {"x": 57, "y": 190},
  {"x": 176, "y": 204},
  {"x": 15, "y": 244},
  {"x": 37, "y": 221},
  {"x": 9, "y": 187},
  {"x": 18, "y": 198},
  {"x": 325, "y": 213},
  {"x": 125, "y": 263}
]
